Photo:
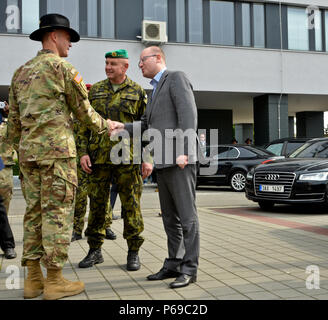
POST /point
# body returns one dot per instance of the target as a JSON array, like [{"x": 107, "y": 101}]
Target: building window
[
  {"x": 181, "y": 20},
  {"x": 222, "y": 22},
  {"x": 69, "y": 9},
  {"x": 155, "y": 10},
  {"x": 326, "y": 29},
  {"x": 258, "y": 26},
  {"x": 30, "y": 16},
  {"x": 246, "y": 24},
  {"x": 92, "y": 21},
  {"x": 298, "y": 32},
  {"x": 318, "y": 30},
  {"x": 195, "y": 21},
  {"x": 107, "y": 19}
]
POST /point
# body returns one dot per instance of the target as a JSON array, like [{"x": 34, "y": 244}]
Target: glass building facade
[{"x": 228, "y": 23}]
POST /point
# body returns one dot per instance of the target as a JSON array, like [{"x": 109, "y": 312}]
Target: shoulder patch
[{"x": 77, "y": 78}]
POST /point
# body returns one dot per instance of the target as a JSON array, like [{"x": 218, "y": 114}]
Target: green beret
[{"x": 122, "y": 53}]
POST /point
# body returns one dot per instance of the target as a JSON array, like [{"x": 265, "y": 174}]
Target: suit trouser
[
  {"x": 6, "y": 235},
  {"x": 177, "y": 193}
]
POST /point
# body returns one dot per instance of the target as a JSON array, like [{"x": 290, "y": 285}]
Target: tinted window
[
  {"x": 275, "y": 148},
  {"x": 312, "y": 150},
  {"x": 291, "y": 146},
  {"x": 247, "y": 153},
  {"x": 233, "y": 153},
  {"x": 222, "y": 153}
]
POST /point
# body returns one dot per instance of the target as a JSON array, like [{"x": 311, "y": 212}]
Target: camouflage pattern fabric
[
  {"x": 81, "y": 200},
  {"x": 129, "y": 182},
  {"x": 126, "y": 104},
  {"x": 6, "y": 175},
  {"x": 6, "y": 186},
  {"x": 49, "y": 188},
  {"x": 43, "y": 94}
]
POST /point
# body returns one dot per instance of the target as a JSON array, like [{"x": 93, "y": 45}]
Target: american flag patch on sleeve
[{"x": 77, "y": 78}]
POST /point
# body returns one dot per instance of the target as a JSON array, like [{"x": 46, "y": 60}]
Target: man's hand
[
  {"x": 182, "y": 161},
  {"x": 86, "y": 164},
  {"x": 115, "y": 127},
  {"x": 146, "y": 170}
]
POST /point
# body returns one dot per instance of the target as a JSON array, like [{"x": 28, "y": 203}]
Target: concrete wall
[{"x": 210, "y": 68}]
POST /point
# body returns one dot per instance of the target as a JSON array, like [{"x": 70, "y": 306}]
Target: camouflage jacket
[
  {"x": 6, "y": 150},
  {"x": 126, "y": 104},
  {"x": 43, "y": 94}
]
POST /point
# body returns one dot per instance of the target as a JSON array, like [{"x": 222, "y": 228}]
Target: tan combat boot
[
  {"x": 56, "y": 287},
  {"x": 33, "y": 284}
]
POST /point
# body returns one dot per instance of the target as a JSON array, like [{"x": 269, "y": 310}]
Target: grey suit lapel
[{"x": 153, "y": 99}]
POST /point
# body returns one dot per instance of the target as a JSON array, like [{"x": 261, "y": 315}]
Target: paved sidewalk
[{"x": 245, "y": 255}]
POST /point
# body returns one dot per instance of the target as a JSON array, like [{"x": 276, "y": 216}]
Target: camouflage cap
[{"x": 121, "y": 53}]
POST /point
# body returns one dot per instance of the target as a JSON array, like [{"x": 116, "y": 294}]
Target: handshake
[{"x": 114, "y": 127}]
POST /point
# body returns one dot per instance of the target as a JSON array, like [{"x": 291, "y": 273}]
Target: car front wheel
[{"x": 238, "y": 181}]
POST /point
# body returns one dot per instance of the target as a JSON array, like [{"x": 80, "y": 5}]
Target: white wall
[{"x": 210, "y": 68}]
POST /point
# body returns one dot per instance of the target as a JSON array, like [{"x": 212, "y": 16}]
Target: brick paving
[{"x": 245, "y": 254}]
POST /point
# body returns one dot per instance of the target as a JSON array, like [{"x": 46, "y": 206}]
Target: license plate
[{"x": 271, "y": 188}]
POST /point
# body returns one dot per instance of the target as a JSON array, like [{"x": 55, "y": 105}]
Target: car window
[
  {"x": 222, "y": 153},
  {"x": 233, "y": 153},
  {"x": 312, "y": 150},
  {"x": 246, "y": 153},
  {"x": 293, "y": 145},
  {"x": 275, "y": 148}
]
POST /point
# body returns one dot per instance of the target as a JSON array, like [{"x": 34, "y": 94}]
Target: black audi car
[
  {"x": 300, "y": 178},
  {"x": 228, "y": 164}
]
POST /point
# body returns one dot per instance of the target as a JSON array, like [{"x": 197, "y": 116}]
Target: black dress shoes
[
  {"x": 10, "y": 253},
  {"x": 76, "y": 236},
  {"x": 182, "y": 281},
  {"x": 110, "y": 235},
  {"x": 133, "y": 262},
  {"x": 94, "y": 257},
  {"x": 163, "y": 274}
]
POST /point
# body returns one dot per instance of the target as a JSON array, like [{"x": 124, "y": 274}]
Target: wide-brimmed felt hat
[{"x": 51, "y": 22}]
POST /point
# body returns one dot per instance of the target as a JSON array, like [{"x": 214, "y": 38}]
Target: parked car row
[
  {"x": 228, "y": 165},
  {"x": 286, "y": 171}
]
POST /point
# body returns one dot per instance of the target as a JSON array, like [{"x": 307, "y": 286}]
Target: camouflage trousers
[
  {"x": 81, "y": 201},
  {"x": 49, "y": 189},
  {"x": 129, "y": 182},
  {"x": 6, "y": 186}
]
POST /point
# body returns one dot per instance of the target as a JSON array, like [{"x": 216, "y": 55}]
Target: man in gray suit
[{"x": 172, "y": 108}]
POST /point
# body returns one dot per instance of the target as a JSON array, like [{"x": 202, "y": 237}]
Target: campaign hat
[{"x": 54, "y": 21}]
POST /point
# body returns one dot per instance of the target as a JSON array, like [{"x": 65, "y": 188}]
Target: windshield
[{"x": 317, "y": 149}]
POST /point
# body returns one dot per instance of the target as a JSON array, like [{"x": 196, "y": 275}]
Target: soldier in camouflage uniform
[
  {"x": 7, "y": 242},
  {"x": 7, "y": 155},
  {"x": 117, "y": 98},
  {"x": 82, "y": 196},
  {"x": 44, "y": 92}
]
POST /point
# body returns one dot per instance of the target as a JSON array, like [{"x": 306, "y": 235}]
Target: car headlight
[
  {"x": 250, "y": 174},
  {"x": 318, "y": 176}
]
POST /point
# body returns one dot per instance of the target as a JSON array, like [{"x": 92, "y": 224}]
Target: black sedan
[
  {"x": 228, "y": 164},
  {"x": 285, "y": 146},
  {"x": 300, "y": 178}
]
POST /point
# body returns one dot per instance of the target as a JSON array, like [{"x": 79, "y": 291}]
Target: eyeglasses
[{"x": 143, "y": 59}]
